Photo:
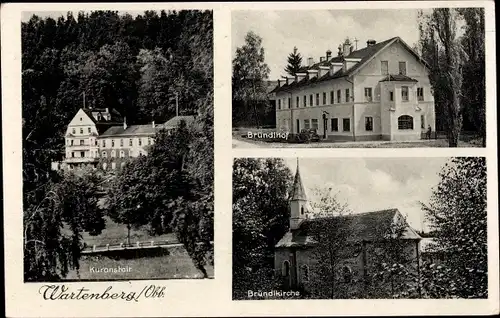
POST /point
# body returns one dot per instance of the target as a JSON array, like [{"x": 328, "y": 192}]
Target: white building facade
[{"x": 380, "y": 92}]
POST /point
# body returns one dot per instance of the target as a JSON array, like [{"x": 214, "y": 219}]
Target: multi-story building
[
  {"x": 381, "y": 91},
  {"x": 101, "y": 137}
]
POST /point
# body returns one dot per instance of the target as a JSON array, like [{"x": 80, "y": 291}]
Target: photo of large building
[{"x": 379, "y": 91}]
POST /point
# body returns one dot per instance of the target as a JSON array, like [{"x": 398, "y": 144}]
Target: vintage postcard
[{"x": 181, "y": 159}]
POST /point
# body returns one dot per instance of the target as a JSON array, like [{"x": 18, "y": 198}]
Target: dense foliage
[
  {"x": 249, "y": 84},
  {"x": 457, "y": 68},
  {"x": 139, "y": 66},
  {"x": 260, "y": 219},
  {"x": 457, "y": 211}
]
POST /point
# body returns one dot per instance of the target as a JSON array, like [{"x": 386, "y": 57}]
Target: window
[
  {"x": 113, "y": 153},
  {"x": 346, "y": 274},
  {"x": 82, "y": 154},
  {"x": 324, "y": 98},
  {"x": 289, "y": 102},
  {"x": 335, "y": 124},
  {"x": 384, "y": 66},
  {"x": 71, "y": 142},
  {"x": 302, "y": 210},
  {"x": 317, "y": 99},
  {"x": 311, "y": 100},
  {"x": 368, "y": 94},
  {"x": 73, "y": 131},
  {"x": 80, "y": 118},
  {"x": 149, "y": 139},
  {"x": 122, "y": 154},
  {"x": 404, "y": 93},
  {"x": 405, "y": 122},
  {"x": 82, "y": 142},
  {"x": 121, "y": 142},
  {"x": 402, "y": 68},
  {"x": 113, "y": 165},
  {"x": 420, "y": 93},
  {"x": 305, "y": 273},
  {"x": 130, "y": 142},
  {"x": 140, "y": 142},
  {"x": 297, "y": 102},
  {"x": 90, "y": 130},
  {"x": 96, "y": 142},
  {"x": 347, "y": 95},
  {"x": 338, "y": 96},
  {"x": 305, "y": 101},
  {"x": 112, "y": 142},
  {"x": 306, "y": 124},
  {"x": 331, "y": 97},
  {"x": 422, "y": 121},
  {"x": 72, "y": 155},
  {"x": 391, "y": 96},
  {"x": 346, "y": 124},
  {"x": 104, "y": 166},
  {"x": 286, "y": 269},
  {"x": 369, "y": 123},
  {"x": 81, "y": 131},
  {"x": 314, "y": 123},
  {"x": 279, "y": 103},
  {"x": 104, "y": 154},
  {"x": 130, "y": 153}
]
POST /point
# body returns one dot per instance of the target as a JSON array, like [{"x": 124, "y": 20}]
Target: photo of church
[{"x": 351, "y": 228}]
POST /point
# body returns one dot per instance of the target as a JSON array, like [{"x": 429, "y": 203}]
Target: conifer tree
[{"x": 294, "y": 62}]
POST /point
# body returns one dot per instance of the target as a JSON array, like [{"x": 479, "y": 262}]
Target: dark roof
[
  {"x": 364, "y": 54},
  {"x": 366, "y": 226},
  {"x": 133, "y": 130},
  {"x": 298, "y": 192},
  {"x": 398, "y": 78},
  {"x": 176, "y": 121}
]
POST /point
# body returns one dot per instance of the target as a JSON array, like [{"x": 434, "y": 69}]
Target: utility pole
[
  {"x": 176, "y": 104},
  {"x": 83, "y": 100}
]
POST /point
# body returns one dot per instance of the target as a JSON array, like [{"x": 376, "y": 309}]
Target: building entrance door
[{"x": 298, "y": 126}]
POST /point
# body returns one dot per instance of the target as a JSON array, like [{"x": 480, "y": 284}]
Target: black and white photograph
[
  {"x": 117, "y": 145},
  {"x": 360, "y": 228},
  {"x": 365, "y": 78}
]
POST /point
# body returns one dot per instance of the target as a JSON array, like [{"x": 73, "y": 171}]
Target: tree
[
  {"x": 260, "y": 219},
  {"x": 55, "y": 216},
  {"x": 330, "y": 234},
  {"x": 457, "y": 212},
  {"x": 473, "y": 86},
  {"x": 294, "y": 62},
  {"x": 441, "y": 47},
  {"x": 250, "y": 73}
]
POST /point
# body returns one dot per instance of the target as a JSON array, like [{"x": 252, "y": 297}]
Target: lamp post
[{"x": 325, "y": 123}]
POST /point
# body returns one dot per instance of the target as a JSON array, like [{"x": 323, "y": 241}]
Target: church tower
[{"x": 298, "y": 202}]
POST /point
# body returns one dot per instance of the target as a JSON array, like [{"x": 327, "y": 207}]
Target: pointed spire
[{"x": 298, "y": 192}]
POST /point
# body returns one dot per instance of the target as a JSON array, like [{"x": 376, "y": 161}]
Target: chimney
[
  {"x": 351, "y": 50},
  {"x": 346, "y": 47},
  {"x": 279, "y": 83},
  {"x": 370, "y": 42},
  {"x": 328, "y": 55},
  {"x": 124, "y": 123},
  {"x": 321, "y": 58},
  {"x": 310, "y": 61},
  {"x": 340, "y": 50}
]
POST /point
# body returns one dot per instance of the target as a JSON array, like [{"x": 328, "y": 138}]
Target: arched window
[
  {"x": 286, "y": 268},
  {"x": 346, "y": 274},
  {"x": 305, "y": 273},
  {"x": 122, "y": 154},
  {"x": 104, "y": 154},
  {"x": 405, "y": 122},
  {"x": 113, "y": 154},
  {"x": 104, "y": 166}
]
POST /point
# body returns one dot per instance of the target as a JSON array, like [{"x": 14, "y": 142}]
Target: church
[{"x": 299, "y": 256}]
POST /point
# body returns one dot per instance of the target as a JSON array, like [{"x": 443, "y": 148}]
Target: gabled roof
[
  {"x": 368, "y": 226},
  {"x": 398, "y": 78},
  {"x": 133, "y": 130},
  {"x": 365, "y": 55}
]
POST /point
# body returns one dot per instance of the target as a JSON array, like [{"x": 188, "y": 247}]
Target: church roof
[
  {"x": 366, "y": 226},
  {"x": 298, "y": 192}
]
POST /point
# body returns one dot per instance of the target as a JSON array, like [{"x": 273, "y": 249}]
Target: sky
[
  {"x": 314, "y": 32},
  {"x": 372, "y": 184}
]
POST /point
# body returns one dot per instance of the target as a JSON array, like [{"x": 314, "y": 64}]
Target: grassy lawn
[
  {"x": 175, "y": 263},
  {"x": 115, "y": 233}
]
